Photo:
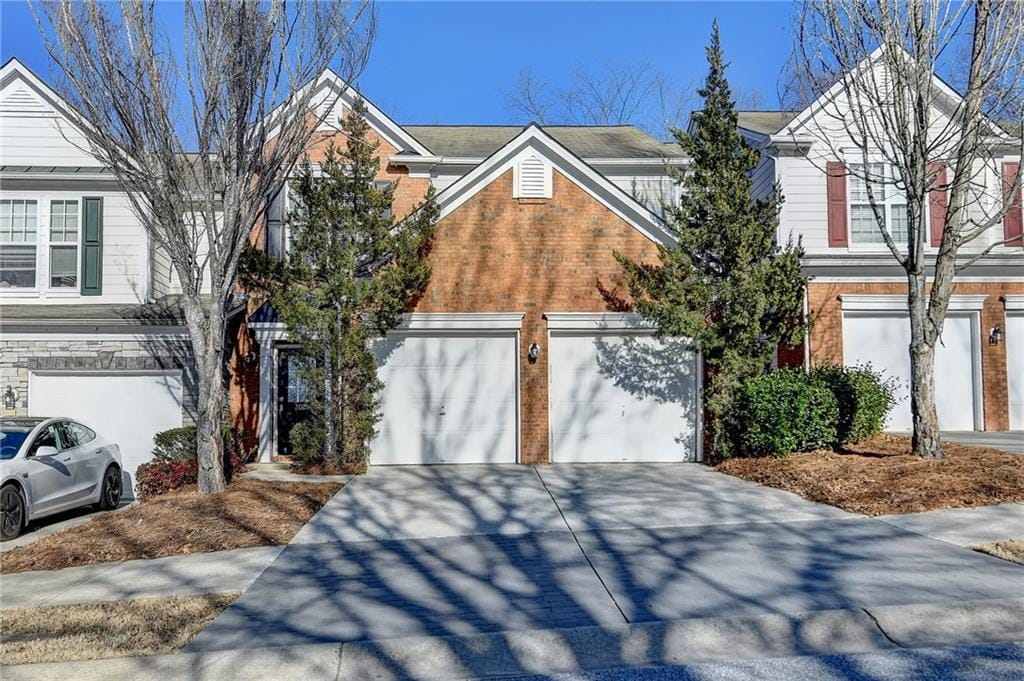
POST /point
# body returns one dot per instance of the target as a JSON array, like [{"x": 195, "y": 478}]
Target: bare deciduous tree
[
  {"x": 200, "y": 145},
  {"x": 899, "y": 129},
  {"x": 614, "y": 94}
]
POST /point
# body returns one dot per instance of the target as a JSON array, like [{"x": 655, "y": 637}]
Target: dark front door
[{"x": 292, "y": 397}]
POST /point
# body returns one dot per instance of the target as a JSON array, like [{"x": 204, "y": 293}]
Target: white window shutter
[{"x": 532, "y": 178}]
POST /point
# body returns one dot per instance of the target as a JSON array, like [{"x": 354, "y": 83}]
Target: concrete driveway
[{"x": 438, "y": 551}]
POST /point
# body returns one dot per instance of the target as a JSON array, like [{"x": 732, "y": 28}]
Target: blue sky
[{"x": 454, "y": 62}]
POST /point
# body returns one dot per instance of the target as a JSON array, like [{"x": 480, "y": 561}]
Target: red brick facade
[
  {"x": 499, "y": 254},
  {"x": 827, "y": 333}
]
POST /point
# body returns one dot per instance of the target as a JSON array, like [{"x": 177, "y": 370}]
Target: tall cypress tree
[
  {"x": 351, "y": 270},
  {"x": 726, "y": 284}
]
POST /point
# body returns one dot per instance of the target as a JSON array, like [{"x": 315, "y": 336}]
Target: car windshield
[{"x": 10, "y": 441}]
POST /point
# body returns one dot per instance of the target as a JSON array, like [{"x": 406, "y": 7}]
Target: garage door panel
[
  {"x": 883, "y": 341},
  {"x": 447, "y": 398},
  {"x": 126, "y": 408},
  {"x": 622, "y": 397},
  {"x": 1015, "y": 368}
]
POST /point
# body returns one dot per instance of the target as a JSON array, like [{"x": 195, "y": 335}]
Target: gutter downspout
[{"x": 807, "y": 337}]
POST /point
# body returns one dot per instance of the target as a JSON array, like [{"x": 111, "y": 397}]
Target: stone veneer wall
[{"x": 19, "y": 357}]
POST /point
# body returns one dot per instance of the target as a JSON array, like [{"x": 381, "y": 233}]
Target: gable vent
[
  {"x": 21, "y": 100},
  {"x": 533, "y": 178}
]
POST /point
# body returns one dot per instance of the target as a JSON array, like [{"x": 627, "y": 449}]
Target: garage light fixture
[
  {"x": 533, "y": 352},
  {"x": 995, "y": 336},
  {"x": 10, "y": 399}
]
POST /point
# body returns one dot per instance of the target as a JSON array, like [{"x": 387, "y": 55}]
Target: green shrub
[
  {"x": 865, "y": 397},
  {"x": 175, "y": 461},
  {"x": 784, "y": 411}
]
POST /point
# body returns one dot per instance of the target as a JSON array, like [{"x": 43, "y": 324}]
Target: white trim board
[
  {"x": 460, "y": 321},
  {"x": 598, "y": 321},
  {"x": 898, "y": 303},
  {"x": 1014, "y": 302},
  {"x": 569, "y": 165}
]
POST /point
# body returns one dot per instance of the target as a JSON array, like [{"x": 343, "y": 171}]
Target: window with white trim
[
  {"x": 889, "y": 200},
  {"x": 19, "y": 233},
  {"x": 64, "y": 231}
]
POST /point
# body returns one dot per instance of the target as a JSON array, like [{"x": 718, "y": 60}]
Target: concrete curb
[{"x": 579, "y": 649}]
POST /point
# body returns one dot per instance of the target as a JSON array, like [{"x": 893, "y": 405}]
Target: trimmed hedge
[
  {"x": 865, "y": 398},
  {"x": 783, "y": 412},
  {"x": 791, "y": 410},
  {"x": 175, "y": 461}
]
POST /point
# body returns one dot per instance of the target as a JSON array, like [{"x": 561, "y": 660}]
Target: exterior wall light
[
  {"x": 995, "y": 336},
  {"x": 10, "y": 399},
  {"x": 533, "y": 352}
]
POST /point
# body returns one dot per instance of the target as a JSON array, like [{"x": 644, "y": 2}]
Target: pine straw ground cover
[
  {"x": 95, "y": 631},
  {"x": 880, "y": 476},
  {"x": 248, "y": 513}
]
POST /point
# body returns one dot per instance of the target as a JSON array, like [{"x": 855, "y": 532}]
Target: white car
[{"x": 49, "y": 465}]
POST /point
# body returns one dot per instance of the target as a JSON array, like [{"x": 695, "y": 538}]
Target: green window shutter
[{"x": 92, "y": 246}]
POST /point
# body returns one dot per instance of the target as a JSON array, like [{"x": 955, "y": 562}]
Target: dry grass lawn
[
  {"x": 880, "y": 476},
  {"x": 248, "y": 513},
  {"x": 95, "y": 631},
  {"x": 1011, "y": 550}
]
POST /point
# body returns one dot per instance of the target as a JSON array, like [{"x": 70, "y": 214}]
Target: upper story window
[
  {"x": 19, "y": 227},
  {"x": 64, "y": 244},
  {"x": 891, "y": 204}
]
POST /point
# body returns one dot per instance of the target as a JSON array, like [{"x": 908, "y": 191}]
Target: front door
[{"x": 292, "y": 397}]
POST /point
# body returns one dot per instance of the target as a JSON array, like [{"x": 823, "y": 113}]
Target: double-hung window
[
  {"x": 64, "y": 232},
  {"x": 19, "y": 228},
  {"x": 888, "y": 198}
]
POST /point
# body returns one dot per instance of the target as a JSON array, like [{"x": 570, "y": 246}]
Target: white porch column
[{"x": 266, "y": 335}]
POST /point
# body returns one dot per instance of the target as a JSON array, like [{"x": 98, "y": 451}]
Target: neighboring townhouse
[
  {"x": 520, "y": 349},
  {"x": 89, "y": 324},
  {"x": 857, "y": 296}
]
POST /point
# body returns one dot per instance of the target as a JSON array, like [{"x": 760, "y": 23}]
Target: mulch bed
[
  {"x": 880, "y": 476},
  {"x": 248, "y": 513}
]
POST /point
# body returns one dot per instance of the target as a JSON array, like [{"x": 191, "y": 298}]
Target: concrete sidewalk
[
  {"x": 627, "y": 648},
  {"x": 200, "y": 573},
  {"x": 965, "y": 526}
]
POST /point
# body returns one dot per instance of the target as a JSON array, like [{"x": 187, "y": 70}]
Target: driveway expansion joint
[{"x": 582, "y": 550}]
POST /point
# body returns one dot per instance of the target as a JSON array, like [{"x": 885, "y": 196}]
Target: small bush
[
  {"x": 864, "y": 396},
  {"x": 176, "y": 463},
  {"x": 784, "y": 411}
]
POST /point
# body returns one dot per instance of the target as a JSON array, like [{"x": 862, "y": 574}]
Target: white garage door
[
  {"x": 1015, "y": 367},
  {"x": 622, "y": 397},
  {"x": 883, "y": 341},
  {"x": 446, "y": 399},
  {"x": 124, "y": 407}
]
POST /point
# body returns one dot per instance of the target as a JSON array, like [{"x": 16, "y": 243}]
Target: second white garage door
[
  {"x": 446, "y": 399},
  {"x": 622, "y": 397},
  {"x": 1015, "y": 366},
  {"x": 883, "y": 341},
  {"x": 126, "y": 408}
]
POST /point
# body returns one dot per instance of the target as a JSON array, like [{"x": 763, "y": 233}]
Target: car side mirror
[{"x": 45, "y": 451}]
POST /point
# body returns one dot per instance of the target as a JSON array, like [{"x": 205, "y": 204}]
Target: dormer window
[{"x": 532, "y": 178}]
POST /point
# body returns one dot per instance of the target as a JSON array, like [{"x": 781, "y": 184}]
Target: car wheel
[
  {"x": 12, "y": 512},
  {"x": 110, "y": 495}
]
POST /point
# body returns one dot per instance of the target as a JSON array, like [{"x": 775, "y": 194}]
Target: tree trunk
[
  {"x": 207, "y": 338},
  {"x": 328, "y": 402},
  {"x": 925, "y": 441}
]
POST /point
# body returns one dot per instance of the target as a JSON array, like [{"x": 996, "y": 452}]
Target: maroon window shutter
[
  {"x": 836, "y": 188},
  {"x": 938, "y": 202},
  {"x": 1013, "y": 224}
]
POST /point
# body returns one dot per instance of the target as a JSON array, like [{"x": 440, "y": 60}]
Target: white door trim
[
  {"x": 898, "y": 303},
  {"x": 598, "y": 320},
  {"x": 460, "y": 321},
  {"x": 1014, "y": 302}
]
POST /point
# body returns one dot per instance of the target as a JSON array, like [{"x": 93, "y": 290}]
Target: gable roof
[
  {"x": 585, "y": 141},
  {"x": 537, "y": 139}
]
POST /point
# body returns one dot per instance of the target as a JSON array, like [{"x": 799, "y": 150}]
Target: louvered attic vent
[{"x": 532, "y": 178}]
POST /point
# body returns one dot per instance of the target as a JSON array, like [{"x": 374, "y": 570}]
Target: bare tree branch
[{"x": 201, "y": 145}]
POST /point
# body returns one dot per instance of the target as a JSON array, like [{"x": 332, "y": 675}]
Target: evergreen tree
[
  {"x": 351, "y": 271},
  {"x": 726, "y": 284}
]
